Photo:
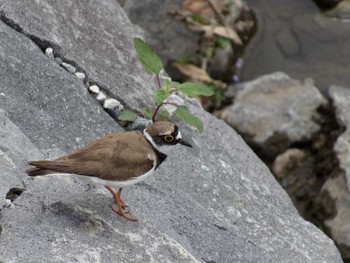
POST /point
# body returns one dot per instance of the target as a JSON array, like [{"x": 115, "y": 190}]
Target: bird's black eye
[{"x": 168, "y": 138}]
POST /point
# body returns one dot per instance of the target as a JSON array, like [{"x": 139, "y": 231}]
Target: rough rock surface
[
  {"x": 274, "y": 111},
  {"x": 340, "y": 11},
  {"x": 335, "y": 200},
  {"x": 216, "y": 202},
  {"x": 341, "y": 102},
  {"x": 96, "y": 36},
  {"x": 335, "y": 196},
  {"x": 174, "y": 41},
  {"x": 294, "y": 37},
  {"x": 170, "y": 38}
]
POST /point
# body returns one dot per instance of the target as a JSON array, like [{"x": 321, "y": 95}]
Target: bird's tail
[{"x": 37, "y": 171}]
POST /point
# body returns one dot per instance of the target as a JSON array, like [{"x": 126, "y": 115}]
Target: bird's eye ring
[{"x": 168, "y": 138}]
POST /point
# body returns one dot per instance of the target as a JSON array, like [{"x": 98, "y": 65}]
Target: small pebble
[
  {"x": 8, "y": 202},
  {"x": 111, "y": 103},
  {"x": 101, "y": 96},
  {"x": 49, "y": 52},
  {"x": 94, "y": 89},
  {"x": 69, "y": 67},
  {"x": 80, "y": 75},
  {"x": 58, "y": 61}
]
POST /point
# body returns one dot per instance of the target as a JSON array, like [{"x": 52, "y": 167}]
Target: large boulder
[
  {"x": 216, "y": 202},
  {"x": 275, "y": 111}
]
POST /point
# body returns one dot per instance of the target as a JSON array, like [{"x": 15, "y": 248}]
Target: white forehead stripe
[
  {"x": 178, "y": 136},
  {"x": 165, "y": 133}
]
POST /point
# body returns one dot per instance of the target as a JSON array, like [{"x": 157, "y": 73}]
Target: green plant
[{"x": 152, "y": 64}]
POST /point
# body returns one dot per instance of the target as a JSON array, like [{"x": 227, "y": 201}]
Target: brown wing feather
[{"x": 109, "y": 158}]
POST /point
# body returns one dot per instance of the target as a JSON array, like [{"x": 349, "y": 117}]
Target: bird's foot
[
  {"x": 124, "y": 213},
  {"x": 122, "y": 203}
]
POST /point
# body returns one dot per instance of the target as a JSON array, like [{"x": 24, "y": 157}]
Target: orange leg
[
  {"x": 120, "y": 203},
  {"x": 116, "y": 196}
]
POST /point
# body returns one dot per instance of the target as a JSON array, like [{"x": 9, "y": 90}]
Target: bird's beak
[{"x": 185, "y": 143}]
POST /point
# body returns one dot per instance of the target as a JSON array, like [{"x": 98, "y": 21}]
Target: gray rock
[
  {"x": 71, "y": 69},
  {"x": 172, "y": 39},
  {"x": 94, "y": 89},
  {"x": 80, "y": 75},
  {"x": 274, "y": 111},
  {"x": 49, "y": 52},
  {"x": 287, "y": 42},
  {"x": 102, "y": 44},
  {"x": 215, "y": 202},
  {"x": 335, "y": 200},
  {"x": 111, "y": 103},
  {"x": 335, "y": 196},
  {"x": 341, "y": 102},
  {"x": 101, "y": 96},
  {"x": 166, "y": 37},
  {"x": 323, "y": 43},
  {"x": 340, "y": 11},
  {"x": 52, "y": 106}
]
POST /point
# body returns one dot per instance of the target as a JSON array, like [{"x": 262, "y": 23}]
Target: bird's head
[{"x": 163, "y": 135}]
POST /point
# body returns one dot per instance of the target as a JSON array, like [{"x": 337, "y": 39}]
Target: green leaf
[
  {"x": 148, "y": 113},
  {"x": 194, "y": 89},
  {"x": 183, "y": 114},
  {"x": 161, "y": 96},
  {"x": 149, "y": 59},
  {"x": 163, "y": 115},
  {"x": 222, "y": 42},
  {"x": 198, "y": 18},
  {"x": 127, "y": 115}
]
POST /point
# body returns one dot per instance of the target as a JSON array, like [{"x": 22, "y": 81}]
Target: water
[{"x": 294, "y": 37}]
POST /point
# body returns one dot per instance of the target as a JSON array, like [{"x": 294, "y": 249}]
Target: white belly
[{"x": 116, "y": 184}]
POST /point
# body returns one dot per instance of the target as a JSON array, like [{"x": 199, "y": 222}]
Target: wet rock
[
  {"x": 323, "y": 43},
  {"x": 274, "y": 111},
  {"x": 288, "y": 43}
]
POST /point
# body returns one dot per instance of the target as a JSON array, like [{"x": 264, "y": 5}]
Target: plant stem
[
  {"x": 159, "y": 106},
  {"x": 158, "y": 81}
]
